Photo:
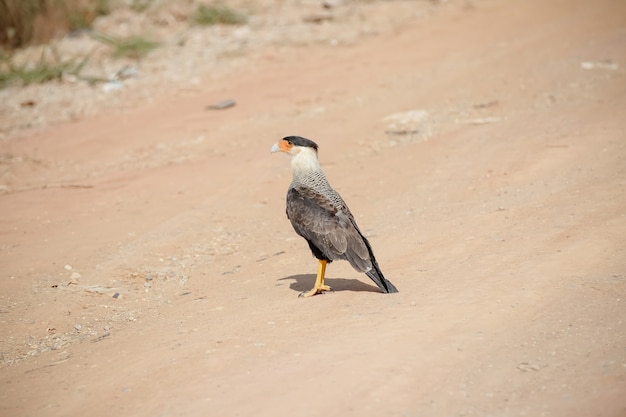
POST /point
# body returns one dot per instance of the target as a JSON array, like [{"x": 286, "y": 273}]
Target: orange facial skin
[{"x": 284, "y": 146}]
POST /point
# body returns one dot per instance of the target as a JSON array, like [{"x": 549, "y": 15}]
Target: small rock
[
  {"x": 128, "y": 71},
  {"x": 112, "y": 86},
  {"x": 68, "y": 267},
  {"x": 486, "y": 105},
  {"x": 483, "y": 120},
  {"x": 317, "y": 18},
  {"x": 69, "y": 78},
  {"x": 408, "y": 126},
  {"x": 407, "y": 122},
  {"x": 224, "y": 104},
  {"x": 330, "y": 4},
  {"x": 606, "y": 64},
  {"x": 525, "y": 366},
  {"x": 98, "y": 289}
]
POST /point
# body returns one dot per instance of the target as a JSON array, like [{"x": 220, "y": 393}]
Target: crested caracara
[{"x": 319, "y": 214}]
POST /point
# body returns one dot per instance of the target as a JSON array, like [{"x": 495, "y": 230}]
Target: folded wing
[{"x": 329, "y": 228}]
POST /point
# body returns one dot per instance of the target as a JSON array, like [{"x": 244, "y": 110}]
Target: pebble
[
  {"x": 128, "y": 71},
  {"x": 525, "y": 366},
  {"x": 112, "y": 86},
  {"x": 404, "y": 123},
  {"x": 224, "y": 104},
  {"x": 483, "y": 120},
  {"x": 607, "y": 64}
]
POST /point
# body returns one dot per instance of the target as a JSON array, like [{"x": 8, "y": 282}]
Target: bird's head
[{"x": 293, "y": 145}]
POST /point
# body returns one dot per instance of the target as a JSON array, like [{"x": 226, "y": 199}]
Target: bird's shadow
[{"x": 304, "y": 282}]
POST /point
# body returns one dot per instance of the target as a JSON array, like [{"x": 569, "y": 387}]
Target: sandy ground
[{"x": 148, "y": 268}]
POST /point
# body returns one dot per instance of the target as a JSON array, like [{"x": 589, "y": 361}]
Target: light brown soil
[{"x": 148, "y": 268}]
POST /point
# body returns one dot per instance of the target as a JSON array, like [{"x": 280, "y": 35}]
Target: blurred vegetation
[
  {"x": 32, "y": 22},
  {"x": 140, "y": 6},
  {"x": 24, "y": 22},
  {"x": 217, "y": 14},
  {"x": 132, "y": 47},
  {"x": 46, "y": 69}
]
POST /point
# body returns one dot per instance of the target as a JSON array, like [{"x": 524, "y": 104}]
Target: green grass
[
  {"x": 132, "y": 47},
  {"x": 217, "y": 15},
  {"x": 43, "y": 71}
]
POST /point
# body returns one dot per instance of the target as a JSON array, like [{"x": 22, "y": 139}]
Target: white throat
[{"x": 304, "y": 162}]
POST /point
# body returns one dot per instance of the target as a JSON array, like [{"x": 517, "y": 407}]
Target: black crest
[{"x": 300, "y": 141}]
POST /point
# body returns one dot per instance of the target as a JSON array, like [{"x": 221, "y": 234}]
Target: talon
[
  {"x": 319, "y": 286},
  {"x": 315, "y": 291}
]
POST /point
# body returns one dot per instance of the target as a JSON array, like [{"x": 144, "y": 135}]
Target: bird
[{"x": 319, "y": 215}]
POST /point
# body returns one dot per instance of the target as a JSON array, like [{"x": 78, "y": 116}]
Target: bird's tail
[
  {"x": 383, "y": 283},
  {"x": 376, "y": 274}
]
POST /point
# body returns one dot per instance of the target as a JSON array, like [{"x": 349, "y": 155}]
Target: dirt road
[{"x": 148, "y": 268}]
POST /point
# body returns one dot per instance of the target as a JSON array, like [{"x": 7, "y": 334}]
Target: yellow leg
[{"x": 319, "y": 286}]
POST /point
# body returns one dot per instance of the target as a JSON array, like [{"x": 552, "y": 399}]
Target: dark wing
[{"x": 328, "y": 228}]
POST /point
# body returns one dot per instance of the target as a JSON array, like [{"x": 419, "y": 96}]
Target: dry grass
[
  {"x": 49, "y": 67},
  {"x": 134, "y": 47},
  {"x": 217, "y": 14},
  {"x": 26, "y": 22}
]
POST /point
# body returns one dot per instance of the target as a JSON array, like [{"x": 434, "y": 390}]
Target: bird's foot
[{"x": 315, "y": 291}]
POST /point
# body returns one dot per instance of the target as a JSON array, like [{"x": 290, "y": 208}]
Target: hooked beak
[{"x": 275, "y": 148}]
